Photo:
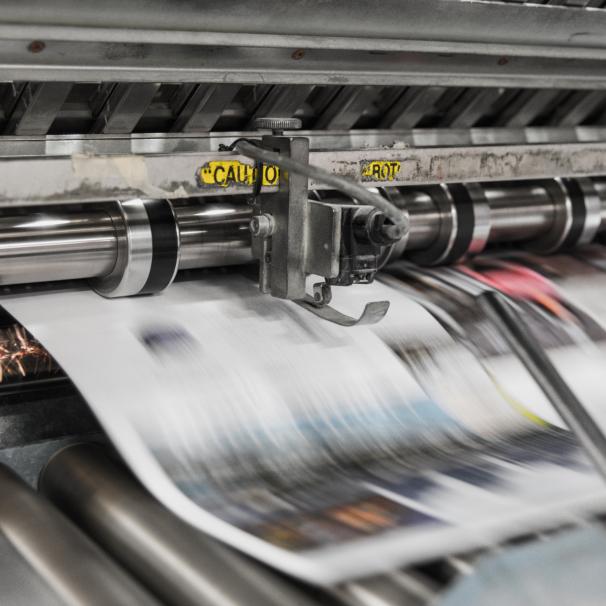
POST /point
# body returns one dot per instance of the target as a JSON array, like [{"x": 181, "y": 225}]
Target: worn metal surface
[
  {"x": 167, "y": 143},
  {"x": 438, "y": 25},
  {"x": 136, "y": 63},
  {"x": 81, "y": 178}
]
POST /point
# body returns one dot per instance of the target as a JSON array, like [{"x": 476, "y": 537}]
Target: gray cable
[{"x": 395, "y": 232}]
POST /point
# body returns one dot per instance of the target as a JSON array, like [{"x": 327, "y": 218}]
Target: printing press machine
[{"x": 315, "y": 138}]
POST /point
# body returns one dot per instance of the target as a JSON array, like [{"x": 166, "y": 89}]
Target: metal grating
[{"x": 121, "y": 108}]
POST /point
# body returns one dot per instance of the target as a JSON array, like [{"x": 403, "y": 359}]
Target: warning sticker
[
  {"x": 380, "y": 170},
  {"x": 232, "y": 172}
]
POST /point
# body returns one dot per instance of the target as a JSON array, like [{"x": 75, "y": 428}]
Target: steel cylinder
[
  {"x": 518, "y": 211},
  {"x": 214, "y": 234},
  {"x": 58, "y": 244},
  {"x": 73, "y": 567},
  {"x": 180, "y": 564},
  {"x": 600, "y": 186}
]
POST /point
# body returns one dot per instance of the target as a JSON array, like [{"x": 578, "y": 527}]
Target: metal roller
[
  {"x": 119, "y": 245},
  {"x": 147, "y": 255},
  {"x": 181, "y": 565},
  {"x": 73, "y": 567}
]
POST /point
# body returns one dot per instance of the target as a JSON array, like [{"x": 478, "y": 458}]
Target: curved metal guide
[{"x": 373, "y": 312}]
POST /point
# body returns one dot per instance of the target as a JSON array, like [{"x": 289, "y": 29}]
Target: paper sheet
[{"x": 326, "y": 452}]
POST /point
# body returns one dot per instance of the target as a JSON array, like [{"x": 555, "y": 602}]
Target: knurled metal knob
[{"x": 277, "y": 124}]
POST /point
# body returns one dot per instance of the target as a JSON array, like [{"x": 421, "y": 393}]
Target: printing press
[{"x": 313, "y": 147}]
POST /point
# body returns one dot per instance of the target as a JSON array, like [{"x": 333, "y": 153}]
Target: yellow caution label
[
  {"x": 380, "y": 170},
  {"x": 232, "y": 172}
]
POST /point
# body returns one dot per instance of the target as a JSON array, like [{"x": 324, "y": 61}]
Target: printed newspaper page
[{"x": 308, "y": 445}]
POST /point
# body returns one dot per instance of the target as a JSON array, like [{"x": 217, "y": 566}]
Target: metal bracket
[
  {"x": 373, "y": 312},
  {"x": 295, "y": 237},
  {"x": 318, "y": 304}
]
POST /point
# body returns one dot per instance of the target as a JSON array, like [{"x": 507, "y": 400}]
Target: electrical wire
[{"x": 399, "y": 218}]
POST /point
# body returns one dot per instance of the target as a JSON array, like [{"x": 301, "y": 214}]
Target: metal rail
[
  {"x": 428, "y": 25},
  {"x": 84, "y": 178}
]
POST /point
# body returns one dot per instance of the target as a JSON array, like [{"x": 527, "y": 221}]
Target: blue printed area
[{"x": 396, "y": 423}]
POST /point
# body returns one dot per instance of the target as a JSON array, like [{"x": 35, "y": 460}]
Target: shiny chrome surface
[
  {"x": 600, "y": 187},
  {"x": 214, "y": 234},
  {"x": 481, "y": 218},
  {"x": 518, "y": 212},
  {"x": 134, "y": 253},
  {"x": 553, "y": 238},
  {"x": 593, "y": 206},
  {"x": 56, "y": 245},
  {"x": 73, "y": 567},
  {"x": 181, "y": 565},
  {"x": 73, "y": 244}
]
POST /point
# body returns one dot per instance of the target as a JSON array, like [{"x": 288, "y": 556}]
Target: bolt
[
  {"x": 298, "y": 54},
  {"x": 502, "y": 61},
  {"x": 36, "y": 46},
  {"x": 262, "y": 226}
]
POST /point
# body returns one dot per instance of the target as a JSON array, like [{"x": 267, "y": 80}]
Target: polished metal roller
[
  {"x": 180, "y": 564},
  {"x": 74, "y": 569},
  {"x": 117, "y": 244}
]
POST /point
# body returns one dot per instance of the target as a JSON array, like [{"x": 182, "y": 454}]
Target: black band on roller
[{"x": 165, "y": 246}]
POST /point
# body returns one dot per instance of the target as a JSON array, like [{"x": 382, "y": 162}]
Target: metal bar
[
  {"x": 37, "y": 108},
  {"x": 200, "y": 112},
  {"x": 470, "y": 107},
  {"x": 71, "y": 564},
  {"x": 124, "y": 107},
  {"x": 98, "y": 62},
  {"x": 167, "y": 143},
  {"x": 82, "y": 178},
  {"x": 436, "y": 25},
  {"x": 414, "y": 103},
  {"x": 346, "y": 107},
  {"x": 526, "y": 107},
  {"x": 281, "y": 102},
  {"x": 578, "y": 107},
  {"x": 10, "y": 92},
  {"x": 519, "y": 337},
  {"x": 182, "y": 566}
]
